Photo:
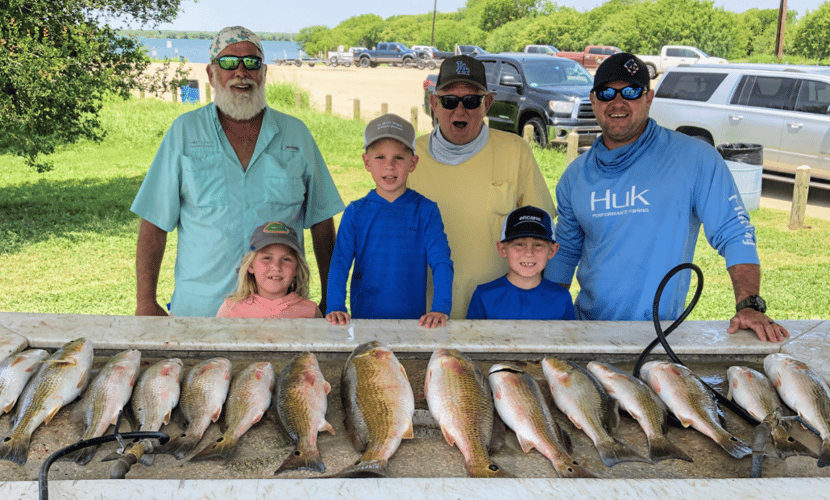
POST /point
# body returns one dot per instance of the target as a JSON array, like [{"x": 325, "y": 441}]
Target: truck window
[
  {"x": 813, "y": 97},
  {"x": 771, "y": 92},
  {"x": 689, "y": 86},
  {"x": 490, "y": 71},
  {"x": 508, "y": 69}
]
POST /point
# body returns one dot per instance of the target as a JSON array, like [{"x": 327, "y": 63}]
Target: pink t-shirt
[{"x": 256, "y": 306}]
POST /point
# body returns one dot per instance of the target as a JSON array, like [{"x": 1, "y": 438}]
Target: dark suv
[{"x": 549, "y": 93}]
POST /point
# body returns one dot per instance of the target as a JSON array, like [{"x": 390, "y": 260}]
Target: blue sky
[{"x": 278, "y": 16}]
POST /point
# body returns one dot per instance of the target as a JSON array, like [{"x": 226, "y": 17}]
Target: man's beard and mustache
[{"x": 239, "y": 106}]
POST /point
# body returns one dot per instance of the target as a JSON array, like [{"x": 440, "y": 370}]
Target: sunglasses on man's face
[
  {"x": 471, "y": 101},
  {"x": 232, "y": 62},
  {"x": 630, "y": 93}
]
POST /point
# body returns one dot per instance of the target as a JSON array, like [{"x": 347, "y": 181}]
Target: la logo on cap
[
  {"x": 275, "y": 227},
  {"x": 461, "y": 68}
]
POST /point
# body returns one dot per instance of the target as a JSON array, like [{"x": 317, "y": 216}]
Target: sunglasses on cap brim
[
  {"x": 232, "y": 62},
  {"x": 630, "y": 93},
  {"x": 471, "y": 101}
]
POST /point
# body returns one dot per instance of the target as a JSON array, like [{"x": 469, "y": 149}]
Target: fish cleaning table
[{"x": 425, "y": 467}]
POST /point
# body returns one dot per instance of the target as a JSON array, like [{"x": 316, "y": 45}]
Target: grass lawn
[{"x": 67, "y": 237}]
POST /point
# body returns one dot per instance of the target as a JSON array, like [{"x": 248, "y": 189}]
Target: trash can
[
  {"x": 746, "y": 162},
  {"x": 190, "y": 91}
]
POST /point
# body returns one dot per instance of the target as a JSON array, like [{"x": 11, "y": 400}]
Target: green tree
[
  {"x": 812, "y": 35},
  {"x": 314, "y": 39},
  {"x": 499, "y": 12},
  {"x": 58, "y": 60}
]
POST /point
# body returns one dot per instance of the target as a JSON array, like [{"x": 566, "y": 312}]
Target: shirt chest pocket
[
  {"x": 503, "y": 197},
  {"x": 283, "y": 191},
  {"x": 204, "y": 183}
]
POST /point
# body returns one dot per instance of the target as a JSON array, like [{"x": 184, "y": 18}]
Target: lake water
[{"x": 196, "y": 50}]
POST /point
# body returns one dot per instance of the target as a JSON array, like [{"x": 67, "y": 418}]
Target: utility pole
[
  {"x": 779, "y": 35},
  {"x": 435, "y": 9}
]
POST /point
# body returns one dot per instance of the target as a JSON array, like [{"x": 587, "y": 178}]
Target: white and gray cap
[{"x": 392, "y": 126}]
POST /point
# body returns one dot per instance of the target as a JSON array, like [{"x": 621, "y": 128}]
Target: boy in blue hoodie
[
  {"x": 392, "y": 235},
  {"x": 523, "y": 293}
]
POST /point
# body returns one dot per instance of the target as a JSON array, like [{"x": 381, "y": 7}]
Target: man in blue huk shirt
[{"x": 630, "y": 210}]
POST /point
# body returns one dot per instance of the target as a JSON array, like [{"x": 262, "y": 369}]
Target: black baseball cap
[
  {"x": 461, "y": 69},
  {"x": 622, "y": 67},
  {"x": 527, "y": 222}
]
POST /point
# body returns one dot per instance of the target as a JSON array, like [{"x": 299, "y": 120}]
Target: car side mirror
[{"x": 510, "y": 81}]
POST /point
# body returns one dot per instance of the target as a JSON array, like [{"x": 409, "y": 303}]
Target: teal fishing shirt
[{"x": 197, "y": 186}]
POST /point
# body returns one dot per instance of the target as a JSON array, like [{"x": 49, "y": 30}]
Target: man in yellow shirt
[{"x": 475, "y": 174}]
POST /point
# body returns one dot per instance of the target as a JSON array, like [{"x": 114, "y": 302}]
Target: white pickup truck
[
  {"x": 341, "y": 57},
  {"x": 675, "y": 55}
]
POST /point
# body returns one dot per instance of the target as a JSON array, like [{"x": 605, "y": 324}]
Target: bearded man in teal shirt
[{"x": 221, "y": 171}]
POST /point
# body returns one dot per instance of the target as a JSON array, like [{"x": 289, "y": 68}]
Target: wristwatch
[{"x": 753, "y": 301}]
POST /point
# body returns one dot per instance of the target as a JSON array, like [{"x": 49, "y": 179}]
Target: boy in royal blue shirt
[
  {"x": 523, "y": 293},
  {"x": 392, "y": 235}
]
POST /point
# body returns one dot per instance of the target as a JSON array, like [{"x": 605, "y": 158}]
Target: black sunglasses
[
  {"x": 232, "y": 62},
  {"x": 471, "y": 101},
  {"x": 630, "y": 93}
]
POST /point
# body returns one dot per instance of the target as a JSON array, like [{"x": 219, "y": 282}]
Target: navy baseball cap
[
  {"x": 461, "y": 69},
  {"x": 622, "y": 67},
  {"x": 527, "y": 222}
]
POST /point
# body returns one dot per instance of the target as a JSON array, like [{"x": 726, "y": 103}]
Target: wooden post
[
  {"x": 384, "y": 108},
  {"x": 573, "y": 147},
  {"x": 801, "y": 190},
  {"x": 328, "y": 104},
  {"x": 298, "y": 99},
  {"x": 175, "y": 93},
  {"x": 207, "y": 92},
  {"x": 141, "y": 93},
  {"x": 527, "y": 133},
  {"x": 413, "y": 117},
  {"x": 357, "y": 109}
]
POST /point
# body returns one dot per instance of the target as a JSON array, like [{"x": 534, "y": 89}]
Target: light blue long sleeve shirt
[
  {"x": 197, "y": 186},
  {"x": 629, "y": 215}
]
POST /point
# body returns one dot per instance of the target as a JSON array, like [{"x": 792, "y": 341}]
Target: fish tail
[
  {"x": 304, "y": 459},
  {"x": 82, "y": 456},
  {"x": 732, "y": 445},
  {"x": 181, "y": 446},
  {"x": 485, "y": 468},
  {"x": 363, "y": 469},
  {"x": 15, "y": 447},
  {"x": 660, "y": 448},
  {"x": 613, "y": 452},
  {"x": 824, "y": 456},
  {"x": 222, "y": 448}
]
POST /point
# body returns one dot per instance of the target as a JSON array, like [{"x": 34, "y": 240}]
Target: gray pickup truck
[
  {"x": 549, "y": 93},
  {"x": 391, "y": 53}
]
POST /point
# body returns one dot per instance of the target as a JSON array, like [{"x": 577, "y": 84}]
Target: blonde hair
[{"x": 246, "y": 282}]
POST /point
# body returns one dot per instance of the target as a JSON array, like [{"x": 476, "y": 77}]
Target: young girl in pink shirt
[{"x": 273, "y": 278}]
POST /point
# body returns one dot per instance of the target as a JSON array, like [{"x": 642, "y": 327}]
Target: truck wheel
[
  {"x": 333, "y": 60},
  {"x": 407, "y": 63},
  {"x": 334, "y": 64},
  {"x": 311, "y": 64},
  {"x": 652, "y": 71},
  {"x": 432, "y": 65},
  {"x": 298, "y": 63},
  {"x": 699, "y": 135},
  {"x": 347, "y": 63},
  {"x": 364, "y": 62},
  {"x": 421, "y": 64},
  {"x": 540, "y": 132}
]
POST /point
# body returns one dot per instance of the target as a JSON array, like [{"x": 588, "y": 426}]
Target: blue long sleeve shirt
[
  {"x": 391, "y": 245},
  {"x": 629, "y": 215},
  {"x": 501, "y": 299}
]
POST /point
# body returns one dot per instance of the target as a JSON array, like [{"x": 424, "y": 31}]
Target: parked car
[
  {"x": 592, "y": 56},
  {"x": 469, "y": 50},
  {"x": 391, "y": 53},
  {"x": 782, "y": 107},
  {"x": 548, "y": 50},
  {"x": 342, "y": 57},
  {"x": 674, "y": 55},
  {"x": 433, "y": 52},
  {"x": 549, "y": 93}
]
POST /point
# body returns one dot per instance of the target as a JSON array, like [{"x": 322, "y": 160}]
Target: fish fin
[
  {"x": 51, "y": 415},
  {"x": 409, "y": 433},
  {"x": 216, "y": 414},
  {"x": 364, "y": 469},
  {"x": 181, "y": 446},
  {"x": 447, "y": 437},
  {"x": 404, "y": 372},
  {"x": 15, "y": 449},
  {"x": 82, "y": 456},
  {"x": 326, "y": 387},
  {"x": 614, "y": 451},
  {"x": 327, "y": 427},
  {"x": 824, "y": 456},
  {"x": 166, "y": 418},
  {"x": 497, "y": 436},
  {"x": 732, "y": 445},
  {"x": 660, "y": 448},
  {"x": 147, "y": 459},
  {"x": 302, "y": 459},
  {"x": 525, "y": 444},
  {"x": 9, "y": 406}
]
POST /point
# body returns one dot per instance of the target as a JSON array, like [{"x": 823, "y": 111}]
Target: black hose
[
  {"x": 43, "y": 487},
  {"x": 661, "y": 336}
]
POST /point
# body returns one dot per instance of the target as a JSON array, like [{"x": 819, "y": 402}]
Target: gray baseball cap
[
  {"x": 392, "y": 126},
  {"x": 274, "y": 232}
]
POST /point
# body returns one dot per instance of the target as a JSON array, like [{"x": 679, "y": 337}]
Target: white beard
[{"x": 239, "y": 106}]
